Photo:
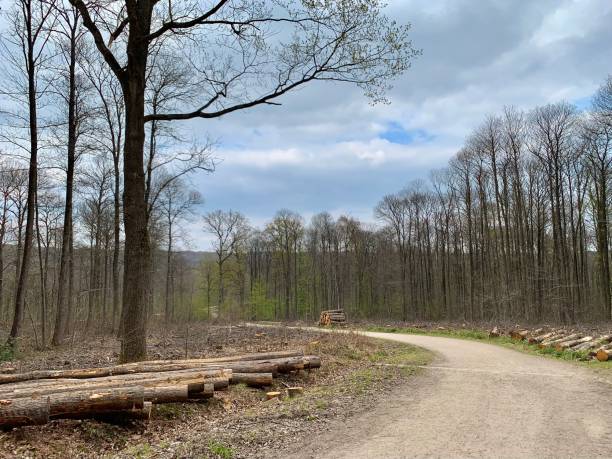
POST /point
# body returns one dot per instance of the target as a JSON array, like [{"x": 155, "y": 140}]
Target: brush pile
[
  {"x": 333, "y": 316},
  {"x": 130, "y": 390},
  {"x": 560, "y": 339}
]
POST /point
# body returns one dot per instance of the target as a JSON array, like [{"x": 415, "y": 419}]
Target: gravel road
[{"x": 479, "y": 400}]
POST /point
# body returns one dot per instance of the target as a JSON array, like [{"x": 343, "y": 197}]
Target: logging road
[{"x": 479, "y": 400}]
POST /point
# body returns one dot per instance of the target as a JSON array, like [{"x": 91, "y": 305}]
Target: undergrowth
[
  {"x": 505, "y": 341},
  {"x": 6, "y": 353}
]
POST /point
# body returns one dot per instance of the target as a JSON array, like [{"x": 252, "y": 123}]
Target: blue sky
[{"x": 327, "y": 148}]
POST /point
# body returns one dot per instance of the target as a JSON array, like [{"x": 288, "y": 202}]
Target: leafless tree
[
  {"x": 24, "y": 52},
  {"x": 176, "y": 205},
  {"x": 229, "y": 229},
  {"x": 237, "y": 64}
]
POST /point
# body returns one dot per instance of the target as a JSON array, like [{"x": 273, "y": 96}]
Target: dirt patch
[{"x": 236, "y": 423}]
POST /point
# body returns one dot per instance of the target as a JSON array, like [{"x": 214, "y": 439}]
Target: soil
[
  {"x": 479, "y": 400},
  {"x": 236, "y": 423}
]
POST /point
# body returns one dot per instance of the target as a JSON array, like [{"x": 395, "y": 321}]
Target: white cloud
[{"x": 321, "y": 149}]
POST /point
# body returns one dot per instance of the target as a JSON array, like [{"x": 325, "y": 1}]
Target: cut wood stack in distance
[
  {"x": 333, "y": 316},
  {"x": 561, "y": 339}
]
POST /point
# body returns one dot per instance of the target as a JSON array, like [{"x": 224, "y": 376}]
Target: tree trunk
[
  {"x": 31, "y": 199},
  {"x": 136, "y": 275},
  {"x": 61, "y": 318}
]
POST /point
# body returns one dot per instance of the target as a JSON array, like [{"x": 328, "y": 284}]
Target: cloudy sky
[{"x": 327, "y": 148}]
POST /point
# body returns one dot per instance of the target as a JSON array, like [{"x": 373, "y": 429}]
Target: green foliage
[
  {"x": 262, "y": 307},
  {"x": 141, "y": 451},
  {"x": 463, "y": 333},
  {"x": 220, "y": 449},
  {"x": 6, "y": 353},
  {"x": 480, "y": 335},
  {"x": 534, "y": 349}
]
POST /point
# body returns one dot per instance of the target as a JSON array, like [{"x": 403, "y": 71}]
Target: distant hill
[{"x": 194, "y": 258}]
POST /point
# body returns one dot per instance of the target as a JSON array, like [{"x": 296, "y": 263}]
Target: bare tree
[
  {"x": 229, "y": 229},
  {"x": 176, "y": 204},
  {"x": 237, "y": 64},
  {"x": 71, "y": 89},
  {"x": 110, "y": 121},
  {"x": 597, "y": 137},
  {"x": 286, "y": 230},
  {"x": 393, "y": 210},
  {"x": 8, "y": 185},
  {"x": 24, "y": 51}
]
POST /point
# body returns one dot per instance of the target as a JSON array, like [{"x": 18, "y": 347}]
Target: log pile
[
  {"x": 130, "y": 390},
  {"x": 561, "y": 339},
  {"x": 333, "y": 316}
]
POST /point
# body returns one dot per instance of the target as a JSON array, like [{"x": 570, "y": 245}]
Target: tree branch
[
  {"x": 108, "y": 55},
  {"x": 174, "y": 25}
]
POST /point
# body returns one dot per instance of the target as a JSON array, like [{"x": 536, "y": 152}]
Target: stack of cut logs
[
  {"x": 333, "y": 316},
  {"x": 598, "y": 346},
  {"x": 131, "y": 389}
]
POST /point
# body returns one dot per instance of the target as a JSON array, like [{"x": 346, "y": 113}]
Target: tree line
[
  {"x": 516, "y": 227},
  {"x": 95, "y": 165}
]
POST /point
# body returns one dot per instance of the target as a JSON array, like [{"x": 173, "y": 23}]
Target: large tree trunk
[
  {"x": 117, "y": 240},
  {"x": 137, "y": 249},
  {"x": 31, "y": 199}
]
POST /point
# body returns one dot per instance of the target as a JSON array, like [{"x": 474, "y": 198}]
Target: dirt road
[{"x": 480, "y": 400}]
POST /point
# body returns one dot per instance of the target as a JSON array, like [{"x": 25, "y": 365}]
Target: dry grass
[{"x": 236, "y": 423}]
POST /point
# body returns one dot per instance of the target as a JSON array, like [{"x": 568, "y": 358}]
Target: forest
[
  {"x": 516, "y": 227},
  {"x": 95, "y": 163},
  {"x": 280, "y": 228}
]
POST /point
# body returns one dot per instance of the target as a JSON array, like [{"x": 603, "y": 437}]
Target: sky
[{"x": 327, "y": 149}]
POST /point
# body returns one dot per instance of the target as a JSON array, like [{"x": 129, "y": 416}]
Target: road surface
[{"x": 479, "y": 400}]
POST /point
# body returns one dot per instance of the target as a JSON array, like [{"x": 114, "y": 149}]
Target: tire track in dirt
[{"x": 479, "y": 400}]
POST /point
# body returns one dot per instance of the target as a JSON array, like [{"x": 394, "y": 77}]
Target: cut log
[
  {"x": 271, "y": 395},
  {"x": 220, "y": 360},
  {"x": 29, "y": 411},
  {"x": 124, "y": 393},
  {"x": 566, "y": 339},
  {"x": 593, "y": 351},
  {"x": 144, "y": 367},
  {"x": 167, "y": 394},
  {"x": 494, "y": 333},
  {"x": 336, "y": 316},
  {"x": 21, "y": 412},
  {"x": 552, "y": 342},
  {"x": 143, "y": 414},
  {"x": 193, "y": 379},
  {"x": 570, "y": 344},
  {"x": 586, "y": 346},
  {"x": 518, "y": 334},
  {"x": 540, "y": 338},
  {"x": 199, "y": 372},
  {"x": 207, "y": 392},
  {"x": 95, "y": 401},
  {"x": 312, "y": 361},
  {"x": 603, "y": 355},
  {"x": 552, "y": 336},
  {"x": 252, "y": 379}
]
